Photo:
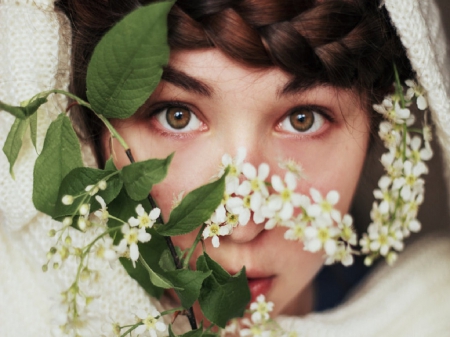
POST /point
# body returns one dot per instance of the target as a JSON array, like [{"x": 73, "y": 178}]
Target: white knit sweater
[{"x": 411, "y": 299}]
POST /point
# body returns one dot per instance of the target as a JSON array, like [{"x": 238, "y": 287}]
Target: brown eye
[
  {"x": 178, "y": 118},
  {"x": 302, "y": 120}
]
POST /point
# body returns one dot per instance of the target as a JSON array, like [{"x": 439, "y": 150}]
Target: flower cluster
[
  {"x": 100, "y": 246},
  {"x": 260, "y": 324},
  {"x": 313, "y": 219},
  {"x": 401, "y": 190}
]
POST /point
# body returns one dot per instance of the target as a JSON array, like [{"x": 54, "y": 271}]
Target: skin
[{"x": 246, "y": 107}]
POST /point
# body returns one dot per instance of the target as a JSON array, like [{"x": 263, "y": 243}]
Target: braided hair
[{"x": 344, "y": 43}]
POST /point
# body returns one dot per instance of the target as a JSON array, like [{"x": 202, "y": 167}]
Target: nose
[{"x": 247, "y": 233}]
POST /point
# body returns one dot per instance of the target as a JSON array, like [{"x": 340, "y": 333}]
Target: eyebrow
[
  {"x": 297, "y": 85},
  {"x": 186, "y": 82}
]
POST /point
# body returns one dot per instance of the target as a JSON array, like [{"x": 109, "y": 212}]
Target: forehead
[
  {"x": 214, "y": 68},
  {"x": 223, "y": 77}
]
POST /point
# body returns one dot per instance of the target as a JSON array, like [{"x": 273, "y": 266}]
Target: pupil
[
  {"x": 302, "y": 120},
  {"x": 178, "y": 118}
]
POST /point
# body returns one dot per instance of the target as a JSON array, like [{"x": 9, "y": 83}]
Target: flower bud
[
  {"x": 102, "y": 185},
  {"x": 391, "y": 258},
  {"x": 82, "y": 224},
  {"x": 51, "y": 233},
  {"x": 77, "y": 251},
  {"x": 55, "y": 265},
  {"x": 368, "y": 261},
  {"x": 67, "y": 221},
  {"x": 68, "y": 240},
  {"x": 84, "y": 209},
  {"x": 67, "y": 200},
  {"x": 52, "y": 250},
  {"x": 64, "y": 253},
  {"x": 85, "y": 273},
  {"x": 44, "y": 268}
]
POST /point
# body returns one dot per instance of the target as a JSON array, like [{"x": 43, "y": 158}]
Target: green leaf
[
  {"x": 13, "y": 142},
  {"x": 60, "y": 155},
  {"x": 159, "y": 280},
  {"x": 109, "y": 165},
  {"x": 33, "y": 129},
  {"x": 171, "y": 334},
  {"x": 126, "y": 65},
  {"x": 189, "y": 281},
  {"x": 194, "y": 209},
  {"x": 222, "y": 296},
  {"x": 139, "y": 178},
  {"x": 193, "y": 333},
  {"x": 23, "y": 112},
  {"x": 75, "y": 184}
]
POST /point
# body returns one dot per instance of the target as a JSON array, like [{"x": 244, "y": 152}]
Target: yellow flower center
[
  {"x": 246, "y": 201},
  {"x": 150, "y": 322},
  {"x": 214, "y": 229},
  {"x": 232, "y": 219},
  {"x": 323, "y": 234},
  {"x": 286, "y": 195},
  {"x": 254, "y": 183},
  {"x": 144, "y": 221},
  {"x": 410, "y": 180},
  {"x": 131, "y": 237}
]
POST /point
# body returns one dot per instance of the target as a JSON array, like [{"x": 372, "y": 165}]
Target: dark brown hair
[{"x": 345, "y": 43}]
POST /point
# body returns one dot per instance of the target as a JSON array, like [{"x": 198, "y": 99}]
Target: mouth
[{"x": 259, "y": 285}]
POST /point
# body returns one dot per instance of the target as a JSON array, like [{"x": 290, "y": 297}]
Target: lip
[{"x": 259, "y": 285}]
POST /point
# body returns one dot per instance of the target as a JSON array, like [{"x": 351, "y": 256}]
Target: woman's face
[{"x": 209, "y": 105}]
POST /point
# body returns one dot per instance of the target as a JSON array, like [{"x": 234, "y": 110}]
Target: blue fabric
[{"x": 333, "y": 283}]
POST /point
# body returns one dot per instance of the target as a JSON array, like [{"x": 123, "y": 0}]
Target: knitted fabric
[{"x": 35, "y": 57}]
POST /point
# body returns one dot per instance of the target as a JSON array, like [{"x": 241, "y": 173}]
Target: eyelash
[
  {"x": 160, "y": 107},
  {"x": 318, "y": 111},
  {"x": 167, "y": 130}
]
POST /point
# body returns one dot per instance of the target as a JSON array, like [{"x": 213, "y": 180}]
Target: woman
[{"x": 306, "y": 93}]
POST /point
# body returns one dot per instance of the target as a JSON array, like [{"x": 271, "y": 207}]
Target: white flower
[
  {"x": 296, "y": 229},
  {"x": 255, "y": 185},
  {"x": 260, "y": 309},
  {"x": 410, "y": 182},
  {"x": 131, "y": 237},
  {"x": 417, "y": 153},
  {"x": 214, "y": 230},
  {"x": 287, "y": 199},
  {"x": 104, "y": 249},
  {"x": 151, "y": 323},
  {"x": 144, "y": 220},
  {"x": 324, "y": 207},
  {"x": 384, "y": 194},
  {"x": 292, "y": 166},
  {"x": 342, "y": 254},
  {"x": 102, "y": 214},
  {"x": 253, "y": 329},
  {"x": 321, "y": 235},
  {"x": 392, "y": 112},
  {"x": 347, "y": 232},
  {"x": 235, "y": 169},
  {"x": 389, "y": 135},
  {"x": 383, "y": 239},
  {"x": 416, "y": 90}
]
